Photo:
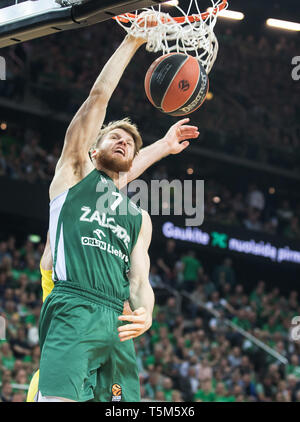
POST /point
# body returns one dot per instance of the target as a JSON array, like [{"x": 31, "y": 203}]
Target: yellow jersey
[
  {"x": 47, "y": 286},
  {"x": 47, "y": 282}
]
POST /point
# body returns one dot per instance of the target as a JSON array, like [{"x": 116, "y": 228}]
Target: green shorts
[{"x": 82, "y": 357}]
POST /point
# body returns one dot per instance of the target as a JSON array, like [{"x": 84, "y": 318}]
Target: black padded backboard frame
[{"x": 22, "y": 26}]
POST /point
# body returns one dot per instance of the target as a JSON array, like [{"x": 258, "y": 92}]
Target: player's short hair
[{"x": 126, "y": 125}]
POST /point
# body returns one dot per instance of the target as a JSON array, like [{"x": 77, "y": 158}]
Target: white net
[{"x": 192, "y": 33}]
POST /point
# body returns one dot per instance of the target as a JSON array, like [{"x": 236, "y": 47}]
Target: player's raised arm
[
  {"x": 141, "y": 293},
  {"x": 87, "y": 122},
  {"x": 174, "y": 142},
  {"x": 82, "y": 132}
]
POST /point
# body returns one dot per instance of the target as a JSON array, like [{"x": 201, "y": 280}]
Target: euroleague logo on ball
[
  {"x": 116, "y": 390},
  {"x": 183, "y": 85},
  {"x": 174, "y": 84}
]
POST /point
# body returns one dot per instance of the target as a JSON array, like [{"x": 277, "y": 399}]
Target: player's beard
[{"x": 109, "y": 161}]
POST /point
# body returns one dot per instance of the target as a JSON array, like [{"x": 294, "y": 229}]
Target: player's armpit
[
  {"x": 82, "y": 134},
  {"x": 85, "y": 126}
]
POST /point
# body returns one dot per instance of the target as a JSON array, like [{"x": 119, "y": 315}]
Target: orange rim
[{"x": 180, "y": 19}]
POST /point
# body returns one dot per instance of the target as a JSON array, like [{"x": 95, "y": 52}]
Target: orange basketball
[{"x": 176, "y": 84}]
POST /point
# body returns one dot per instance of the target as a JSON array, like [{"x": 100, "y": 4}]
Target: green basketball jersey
[{"x": 93, "y": 229}]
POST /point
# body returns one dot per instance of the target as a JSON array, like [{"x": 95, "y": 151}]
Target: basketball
[{"x": 176, "y": 84}]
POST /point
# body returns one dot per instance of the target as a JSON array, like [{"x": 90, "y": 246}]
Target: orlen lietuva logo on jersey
[{"x": 103, "y": 221}]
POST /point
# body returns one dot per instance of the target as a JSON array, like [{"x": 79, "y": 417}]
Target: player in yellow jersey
[
  {"x": 46, "y": 270},
  {"x": 47, "y": 286}
]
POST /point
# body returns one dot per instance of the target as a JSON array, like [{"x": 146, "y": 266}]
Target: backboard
[{"x": 26, "y": 20}]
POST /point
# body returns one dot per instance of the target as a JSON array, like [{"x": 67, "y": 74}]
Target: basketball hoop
[{"x": 188, "y": 33}]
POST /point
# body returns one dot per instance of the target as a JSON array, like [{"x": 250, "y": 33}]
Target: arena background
[{"x": 224, "y": 307}]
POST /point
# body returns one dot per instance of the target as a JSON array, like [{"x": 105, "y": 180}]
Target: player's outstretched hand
[
  {"x": 139, "y": 324},
  {"x": 177, "y": 135}
]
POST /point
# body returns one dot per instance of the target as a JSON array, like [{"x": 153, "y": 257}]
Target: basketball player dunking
[{"x": 100, "y": 256}]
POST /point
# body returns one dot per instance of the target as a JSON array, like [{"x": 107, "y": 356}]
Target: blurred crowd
[
  {"x": 190, "y": 352},
  {"x": 254, "y": 111},
  {"x": 20, "y": 304},
  {"x": 253, "y": 209},
  {"x": 22, "y": 157},
  {"x": 244, "y": 204}
]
